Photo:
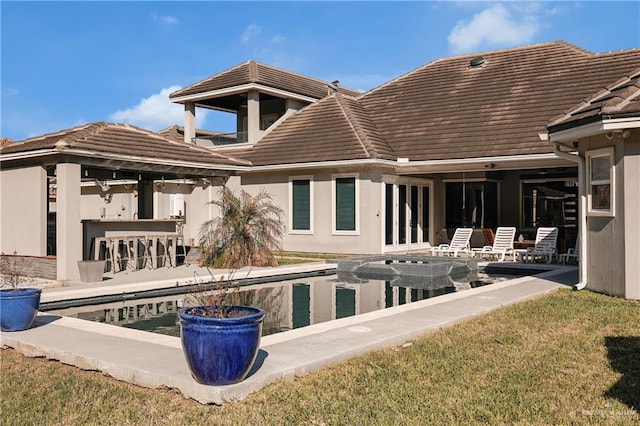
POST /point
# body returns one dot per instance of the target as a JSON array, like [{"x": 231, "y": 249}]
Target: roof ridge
[
  {"x": 365, "y": 127},
  {"x": 177, "y": 92},
  {"x": 350, "y": 120},
  {"x": 254, "y": 73},
  {"x": 474, "y": 54}
]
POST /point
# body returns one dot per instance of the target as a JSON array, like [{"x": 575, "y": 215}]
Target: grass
[
  {"x": 293, "y": 258},
  {"x": 567, "y": 358}
]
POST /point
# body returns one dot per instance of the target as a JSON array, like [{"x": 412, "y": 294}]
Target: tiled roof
[
  {"x": 448, "y": 109},
  {"x": 619, "y": 99},
  {"x": 123, "y": 140},
  {"x": 335, "y": 128},
  {"x": 176, "y": 133},
  {"x": 254, "y": 72}
]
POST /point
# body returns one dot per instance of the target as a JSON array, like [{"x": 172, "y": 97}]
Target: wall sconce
[
  {"x": 104, "y": 186},
  {"x": 612, "y": 134}
]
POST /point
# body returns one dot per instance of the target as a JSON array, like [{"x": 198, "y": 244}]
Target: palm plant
[{"x": 245, "y": 234}]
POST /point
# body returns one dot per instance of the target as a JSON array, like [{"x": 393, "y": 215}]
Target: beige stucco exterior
[
  {"x": 23, "y": 211},
  {"x": 613, "y": 243}
]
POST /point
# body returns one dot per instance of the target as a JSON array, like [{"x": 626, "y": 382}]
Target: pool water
[{"x": 289, "y": 304}]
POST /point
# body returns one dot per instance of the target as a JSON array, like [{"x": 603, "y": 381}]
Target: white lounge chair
[
  {"x": 572, "y": 253},
  {"x": 544, "y": 246},
  {"x": 502, "y": 244},
  {"x": 459, "y": 244}
]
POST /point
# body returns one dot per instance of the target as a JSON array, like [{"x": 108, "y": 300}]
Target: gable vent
[{"x": 477, "y": 62}]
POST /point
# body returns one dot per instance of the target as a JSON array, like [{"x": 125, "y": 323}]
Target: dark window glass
[
  {"x": 425, "y": 213},
  {"x": 471, "y": 205},
  {"x": 388, "y": 214},
  {"x": 402, "y": 214},
  {"x": 551, "y": 203},
  {"x": 346, "y": 204},
  {"x": 301, "y": 204}
]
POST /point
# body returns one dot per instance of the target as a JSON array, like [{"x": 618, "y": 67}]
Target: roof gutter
[
  {"x": 582, "y": 223},
  {"x": 126, "y": 158},
  {"x": 406, "y": 166}
]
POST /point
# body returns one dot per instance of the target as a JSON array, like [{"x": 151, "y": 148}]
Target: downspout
[{"x": 582, "y": 223}]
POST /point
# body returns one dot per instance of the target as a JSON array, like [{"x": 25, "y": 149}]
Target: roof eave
[
  {"x": 405, "y": 166},
  {"x": 243, "y": 88},
  {"x": 101, "y": 156},
  {"x": 573, "y": 130}
]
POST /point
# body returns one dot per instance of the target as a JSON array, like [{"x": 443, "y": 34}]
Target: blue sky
[{"x": 68, "y": 63}]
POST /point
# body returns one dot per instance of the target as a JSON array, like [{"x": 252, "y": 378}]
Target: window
[
  {"x": 471, "y": 204},
  {"x": 550, "y": 202},
  {"x": 345, "y": 204},
  {"x": 600, "y": 187},
  {"x": 300, "y": 202},
  {"x": 176, "y": 205}
]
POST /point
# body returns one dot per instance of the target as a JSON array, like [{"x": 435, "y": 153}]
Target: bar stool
[
  {"x": 148, "y": 247},
  {"x": 166, "y": 250}
]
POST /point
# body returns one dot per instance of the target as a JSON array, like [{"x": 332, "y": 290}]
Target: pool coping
[{"x": 154, "y": 360}]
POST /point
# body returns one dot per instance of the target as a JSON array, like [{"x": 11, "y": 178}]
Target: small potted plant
[
  {"x": 18, "y": 305},
  {"x": 221, "y": 338}
]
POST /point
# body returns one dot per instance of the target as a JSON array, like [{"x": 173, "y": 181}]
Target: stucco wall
[
  {"x": 632, "y": 215},
  {"x": 606, "y": 235},
  {"x": 369, "y": 237},
  {"x": 23, "y": 211}
]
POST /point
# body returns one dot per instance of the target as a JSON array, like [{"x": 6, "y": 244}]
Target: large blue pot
[
  {"x": 18, "y": 308},
  {"x": 220, "y": 351}
]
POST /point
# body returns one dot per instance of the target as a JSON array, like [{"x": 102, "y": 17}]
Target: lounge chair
[
  {"x": 544, "y": 246},
  {"x": 572, "y": 253},
  {"x": 459, "y": 244},
  {"x": 502, "y": 244}
]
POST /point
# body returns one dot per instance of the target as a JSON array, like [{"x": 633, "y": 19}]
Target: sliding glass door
[{"x": 407, "y": 212}]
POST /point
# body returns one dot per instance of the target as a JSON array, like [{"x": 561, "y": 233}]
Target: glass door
[{"x": 407, "y": 211}]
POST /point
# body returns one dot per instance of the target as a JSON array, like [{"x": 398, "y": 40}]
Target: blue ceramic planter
[
  {"x": 18, "y": 308},
  {"x": 220, "y": 351}
]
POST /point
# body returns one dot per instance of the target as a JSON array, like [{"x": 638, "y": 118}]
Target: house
[
  {"x": 452, "y": 143},
  {"x": 456, "y": 142},
  {"x": 602, "y": 134}
]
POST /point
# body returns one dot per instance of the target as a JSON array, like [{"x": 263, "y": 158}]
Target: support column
[
  {"x": 189, "y": 121},
  {"x": 68, "y": 221},
  {"x": 253, "y": 116}
]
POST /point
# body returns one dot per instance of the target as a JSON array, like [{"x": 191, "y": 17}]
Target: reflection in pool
[{"x": 289, "y": 304}]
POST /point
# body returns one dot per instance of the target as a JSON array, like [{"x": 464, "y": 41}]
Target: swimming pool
[{"x": 290, "y": 304}]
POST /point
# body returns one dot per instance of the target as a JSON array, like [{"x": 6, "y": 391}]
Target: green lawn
[{"x": 567, "y": 358}]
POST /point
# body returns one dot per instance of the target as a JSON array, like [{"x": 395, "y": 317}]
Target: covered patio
[{"x": 109, "y": 179}]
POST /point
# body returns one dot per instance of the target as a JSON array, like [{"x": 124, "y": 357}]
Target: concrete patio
[{"x": 154, "y": 360}]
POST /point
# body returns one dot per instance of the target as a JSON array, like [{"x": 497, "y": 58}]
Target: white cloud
[
  {"x": 493, "y": 27},
  {"x": 250, "y": 32},
  {"x": 277, "y": 39},
  {"x": 168, "y": 20},
  {"x": 156, "y": 112},
  {"x": 8, "y": 92}
]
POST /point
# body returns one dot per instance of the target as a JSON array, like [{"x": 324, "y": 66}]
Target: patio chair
[
  {"x": 502, "y": 244},
  {"x": 572, "y": 253},
  {"x": 489, "y": 236},
  {"x": 544, "y": 246},
  {"x": 459, "y": 244}
]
